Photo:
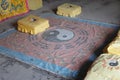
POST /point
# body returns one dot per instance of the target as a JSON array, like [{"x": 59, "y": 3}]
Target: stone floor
[{"x": 98, "y": 10}]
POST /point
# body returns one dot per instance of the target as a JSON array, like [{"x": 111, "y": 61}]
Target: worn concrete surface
[{"x": 98, "y": 10}]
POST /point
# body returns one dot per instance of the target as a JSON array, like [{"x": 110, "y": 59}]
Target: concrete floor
[{"x": 98, "y": 10}]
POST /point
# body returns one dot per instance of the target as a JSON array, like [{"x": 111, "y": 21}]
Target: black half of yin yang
[{"x": 58, "y": 35}]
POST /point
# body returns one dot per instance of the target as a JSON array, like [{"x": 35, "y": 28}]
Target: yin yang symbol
[{"x": 58, "y": 35}]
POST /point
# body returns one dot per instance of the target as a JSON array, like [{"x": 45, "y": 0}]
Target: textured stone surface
[{"x": 11, "y": 69}]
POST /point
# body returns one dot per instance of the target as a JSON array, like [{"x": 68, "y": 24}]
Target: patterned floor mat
[{"x": 62, "y": 49}]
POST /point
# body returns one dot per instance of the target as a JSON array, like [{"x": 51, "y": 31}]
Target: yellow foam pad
[
  {"x": 33, "y": 24},
  {"x": 69, "y": 10},
  {"x": 34, "y": 4}
]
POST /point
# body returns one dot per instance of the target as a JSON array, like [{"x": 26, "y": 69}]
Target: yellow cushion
[
  {"x": 33, "y": 24},
  {"x": 114, "y": 46},
  {"x": 11, "y": 8},
  {"x": 34, "y": 4},
  {"x": 69, "y": 10},
  {"x": 106, "y": 67},
  {"x": 118, "y": 33}
]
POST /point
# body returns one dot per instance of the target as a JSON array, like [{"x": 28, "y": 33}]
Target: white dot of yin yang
[{"x": 58, "y": 35}]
